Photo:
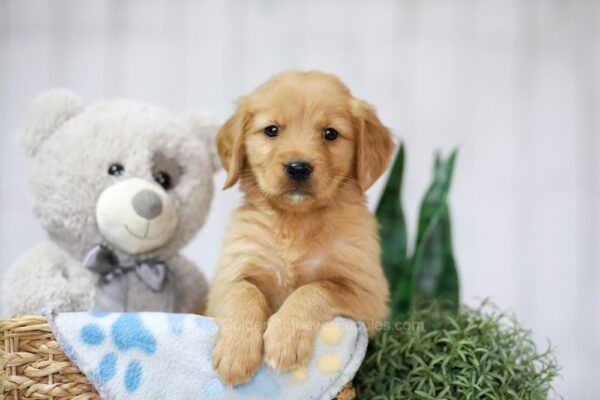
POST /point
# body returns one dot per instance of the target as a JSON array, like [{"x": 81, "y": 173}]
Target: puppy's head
[{"x": 299, "y": 137}]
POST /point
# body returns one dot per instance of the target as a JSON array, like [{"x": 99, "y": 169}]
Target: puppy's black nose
[{"x": 298, "y": 170}]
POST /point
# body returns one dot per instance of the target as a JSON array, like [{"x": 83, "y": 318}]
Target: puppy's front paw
[
  {"x": 238, "y": 352},
  {"x": 288, "y": 341}
]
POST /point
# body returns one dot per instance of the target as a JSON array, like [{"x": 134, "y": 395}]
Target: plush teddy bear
[{"x": 120, "y": 188}]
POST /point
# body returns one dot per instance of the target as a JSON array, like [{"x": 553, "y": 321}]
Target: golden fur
[{"x": 297, "y": 254}]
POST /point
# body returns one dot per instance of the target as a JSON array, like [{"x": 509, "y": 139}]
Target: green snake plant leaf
[
  {"x": 435, "y": 277},
  {"x": 392, "y": 231}
]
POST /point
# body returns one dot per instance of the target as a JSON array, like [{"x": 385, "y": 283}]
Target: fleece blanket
[{"x": 160, "y": 356}]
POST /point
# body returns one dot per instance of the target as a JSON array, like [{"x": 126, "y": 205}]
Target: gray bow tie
[{"x": 111, "y": 294}]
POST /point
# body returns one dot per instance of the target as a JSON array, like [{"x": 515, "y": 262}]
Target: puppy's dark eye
[
  {"x": 330, "y": 134},
  {"x": 163, "y": 179},
  {"x": 116, "y": 169},
  {"x": 272, "y": 130}
]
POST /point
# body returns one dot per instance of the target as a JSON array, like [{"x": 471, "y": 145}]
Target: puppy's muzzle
[{"x": 298, "y": 170}]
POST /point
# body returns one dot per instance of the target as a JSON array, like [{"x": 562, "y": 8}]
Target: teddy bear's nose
[{"x": 147, "y": 204}]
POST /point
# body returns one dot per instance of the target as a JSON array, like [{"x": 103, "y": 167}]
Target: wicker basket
[{"x": 33, "y": 366}]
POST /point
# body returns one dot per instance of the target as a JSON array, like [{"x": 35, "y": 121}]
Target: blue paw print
[
  {"x": 213, "y": 389},
  {"x": 175, "y": 322},
  {"x": 205, "y": 324},
  {"x": 262, "y": 385},
  {"x": 108, "y": 367},
  {"x": 127, "y": 333},
  {"x": 99, "y": 314},
  {"x": 92, "y": 334},
  {"x": 133, "y": 376}
]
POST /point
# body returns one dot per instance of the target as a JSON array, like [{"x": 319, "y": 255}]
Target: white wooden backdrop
[{"x": 515, "y": 84}]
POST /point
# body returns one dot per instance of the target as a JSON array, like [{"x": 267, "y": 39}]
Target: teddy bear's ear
[
  {"x": 46, "y": 114},
  {"x": 204, "y": 125}
]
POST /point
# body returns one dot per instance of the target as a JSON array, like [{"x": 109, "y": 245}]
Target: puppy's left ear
[
  {"x": 205, "y": 126},
  {"x": 374, "y": 144}
]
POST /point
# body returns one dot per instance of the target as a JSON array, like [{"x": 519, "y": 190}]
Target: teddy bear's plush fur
[{"x": 83, "y": 200}]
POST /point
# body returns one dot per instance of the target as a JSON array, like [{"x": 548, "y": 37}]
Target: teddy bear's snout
[
  {"x": 147, "y": 204},
  {"x": 136, "y": 215}
]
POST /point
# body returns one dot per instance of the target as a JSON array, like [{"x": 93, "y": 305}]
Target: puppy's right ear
[
  {"x": 230, "y": 144},
  {"x": 48, "y": 112}
]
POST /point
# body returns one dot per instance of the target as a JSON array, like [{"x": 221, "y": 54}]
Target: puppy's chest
[{"x": 298, "y": 256}]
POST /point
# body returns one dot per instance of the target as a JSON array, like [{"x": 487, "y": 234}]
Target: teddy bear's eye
[
  {"x": 116, "y": 169},
  {"x": 163, "y": 179}
]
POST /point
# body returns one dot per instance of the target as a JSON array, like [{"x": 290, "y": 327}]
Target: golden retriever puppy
[{"x": 303, "y": 247}]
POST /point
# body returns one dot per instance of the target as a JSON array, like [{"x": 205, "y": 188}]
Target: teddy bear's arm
[
  {"x": 191, "y": 284},
  {"x": 47, "y": 277}
]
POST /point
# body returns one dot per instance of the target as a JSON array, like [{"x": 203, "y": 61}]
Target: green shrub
[{"x": 474, "y": 354}]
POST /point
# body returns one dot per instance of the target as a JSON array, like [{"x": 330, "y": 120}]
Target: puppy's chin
[
  {"x": 299, "y": 198},
  {"x": 295, "y": 199}
]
